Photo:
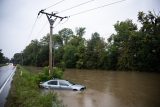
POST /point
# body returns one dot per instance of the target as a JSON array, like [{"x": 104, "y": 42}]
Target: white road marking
[{"x": 7, "y": 80}]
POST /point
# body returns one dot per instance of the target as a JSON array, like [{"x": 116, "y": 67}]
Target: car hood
[{"x": 78, "y": 86}]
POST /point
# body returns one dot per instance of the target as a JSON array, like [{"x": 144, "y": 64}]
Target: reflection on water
[
  {"x": 112, "y": 89},
  {"x": 88, "y": 98}
]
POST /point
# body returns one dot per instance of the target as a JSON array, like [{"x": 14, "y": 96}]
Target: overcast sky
[{"x": 18, "y": 16}]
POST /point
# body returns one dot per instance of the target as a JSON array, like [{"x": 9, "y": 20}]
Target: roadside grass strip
[{"x": 26, "y": 93}]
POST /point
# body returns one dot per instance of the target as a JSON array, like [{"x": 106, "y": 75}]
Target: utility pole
[
  {"x": 22, "y": 58},
  {"x": 51, "y": 22}
]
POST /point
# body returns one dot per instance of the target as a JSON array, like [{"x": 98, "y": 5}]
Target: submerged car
[{"x": 62, "y": 84}]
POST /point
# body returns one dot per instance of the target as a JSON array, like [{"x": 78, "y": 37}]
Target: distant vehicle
[
  {"x": 14, "y": 64},
  {"x": 61, "y": 84}
]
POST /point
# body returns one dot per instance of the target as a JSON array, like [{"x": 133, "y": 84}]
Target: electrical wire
[
  {"x": 57, "y": 24},
  {"x": 75, "y": 13},
  {"x": 33, "y": 26},
  {"x": 39, "y": 16},
  {"x": 76, "y": 6},
  {"x": 54, "y": 4},
  {"x": 85, "y": 11},
  {"x": 61, "y": 23},
  {"x": 42, "y": 27},
  {"x": 64, "y": 10},
  {"x": 65, "y": 21}
]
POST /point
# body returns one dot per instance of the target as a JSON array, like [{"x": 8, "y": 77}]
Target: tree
[
  {"x": 123, "y": 40},
  {"x": 136, "y": 49},
  {"x": 30, "y": 53},
  {"x": 17, "y": 58},
  {"x": 80, "y": 31},
  {"x": 3, "y": 59},
  {"x": 129, "y": 48},
  {"x": 150, "y": 37},
  {"x": 111, "y": 59},
  {"x": 43, "y": 56},
  {"x": 1, "y": 56},
  {"x": 70, "y": 56},
  {"x": 94, "y": 52},
  {"x": 58, "y": 41},
  {"x": 65, "y": 35}
]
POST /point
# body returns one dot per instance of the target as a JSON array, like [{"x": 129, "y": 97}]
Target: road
[{"x": 6, "y": 74}]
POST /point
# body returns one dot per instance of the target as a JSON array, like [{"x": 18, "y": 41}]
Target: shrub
[
  {"x": 61, "y": 65},
  {"x": 55, "y": 73}
]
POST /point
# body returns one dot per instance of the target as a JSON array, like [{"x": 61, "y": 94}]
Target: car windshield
[{"x": 71, "y": 83}]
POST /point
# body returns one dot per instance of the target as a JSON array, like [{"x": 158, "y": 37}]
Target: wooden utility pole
[{"x": 51, "y": 22}]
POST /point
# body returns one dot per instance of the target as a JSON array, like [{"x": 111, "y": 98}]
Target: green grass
[
  {"x": 25, "y": 92},
  {"x": 33, "y": 69}
]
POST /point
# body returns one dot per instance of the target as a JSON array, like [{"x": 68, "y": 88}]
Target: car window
[
  {"x": 52, "y": 82},
  {"x": 62, "y": 83},
  {"x": 71, "y": 83}
]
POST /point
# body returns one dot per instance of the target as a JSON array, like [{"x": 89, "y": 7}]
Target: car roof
[
  {"x": 56, "y": 79},
  {"x": 59, "y": 79}
]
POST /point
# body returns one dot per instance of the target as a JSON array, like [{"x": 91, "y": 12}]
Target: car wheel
[
  {"x": 82, "y": 89},
  {"x": 75, "y": 90}
]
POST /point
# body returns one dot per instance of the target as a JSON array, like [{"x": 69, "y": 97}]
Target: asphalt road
[{"x": 6, "y": 74}]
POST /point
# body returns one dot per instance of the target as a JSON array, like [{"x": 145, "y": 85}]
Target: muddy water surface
[{"x": 112, "y": 89}]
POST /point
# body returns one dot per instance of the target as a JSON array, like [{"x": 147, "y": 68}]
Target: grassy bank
[{"x": 24, "y": 92}]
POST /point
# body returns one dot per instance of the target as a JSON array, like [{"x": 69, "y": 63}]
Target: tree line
[
  {"x": 3, "y": 59},
  {"x": 130, "y": 48}
]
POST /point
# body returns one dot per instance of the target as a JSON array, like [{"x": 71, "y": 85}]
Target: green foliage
[
  {"x": 3, "y": 59},
  {"x": 47, "y": 75},
  {"x": 57, "y": 73},
  {"x": 70, "y": 56},
  {"x": 150, "y": 37},
  {"x": 61, "y": 65},
  {"x": 25, "y": 92},
  {"x": 80, "y": 31},
  {"x": 124, "y": 40},
  {"x": 81, "y": 55},
  {"x": 31, "y": 52},
  {"x": 137, "y": 50},
  {"x": 95, "y": 51},
  {"x": 65, "y": 34},
  {"x": 129, "y": 48}
]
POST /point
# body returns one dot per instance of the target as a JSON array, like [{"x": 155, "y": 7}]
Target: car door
[
  {"x": 53, "y": 84},
  {"x": 64, "y": 85}
]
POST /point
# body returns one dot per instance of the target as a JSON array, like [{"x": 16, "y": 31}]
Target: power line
[
  {"x": 96, "y": 8},
  {"x": 33, "y": 26},
  {"x": 76, "y": 6},
  {"x": 44, "y": 25},
  {"x": 54, "y": 4},
  {"x": 61, "y": 23},
  {"x": 72, "y": 14}
]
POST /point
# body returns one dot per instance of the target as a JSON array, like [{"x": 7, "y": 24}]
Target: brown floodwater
[{"x": 112, "y": 89}]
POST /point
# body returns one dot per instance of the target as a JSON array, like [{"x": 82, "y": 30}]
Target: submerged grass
[{"x": 25, "y": 92}]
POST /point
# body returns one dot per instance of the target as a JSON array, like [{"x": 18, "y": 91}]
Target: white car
[{"x": 62, "y": 84}]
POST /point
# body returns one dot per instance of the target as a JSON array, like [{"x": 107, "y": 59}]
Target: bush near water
[{"x": 55, "y": 73}]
